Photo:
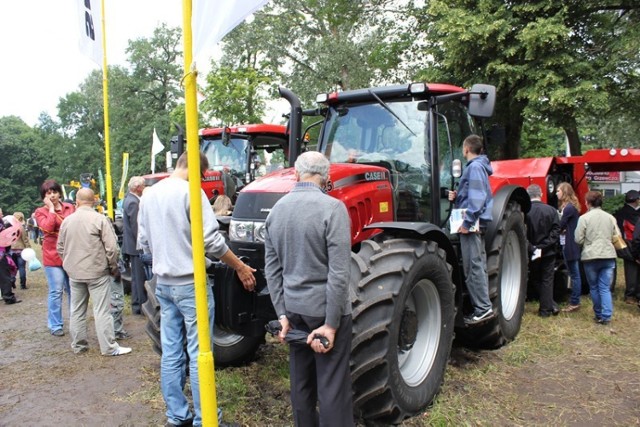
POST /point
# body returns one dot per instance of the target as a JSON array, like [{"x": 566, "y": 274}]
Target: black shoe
[
  {"x": 186, "y": 423},
  {"x": 475, "y": 319},
  {"x": 23, "y": 287},
  {"x": 122, "y": 335},
  {"x": 603, "y": 322},
  {"x": 12, "y": 301}
]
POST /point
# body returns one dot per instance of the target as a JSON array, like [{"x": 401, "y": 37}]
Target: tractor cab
[{"x": 414, "y": 132}]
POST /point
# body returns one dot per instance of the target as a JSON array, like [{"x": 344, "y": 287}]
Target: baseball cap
[{"x": 631, "y": 196}]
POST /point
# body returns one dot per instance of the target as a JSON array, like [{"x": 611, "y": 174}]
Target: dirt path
[
  {"x": 42, "y": 382},
  {"x": 560, "y": 371}
]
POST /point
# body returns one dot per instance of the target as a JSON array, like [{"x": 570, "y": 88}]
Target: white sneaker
[{"x": 121, "y": 350}]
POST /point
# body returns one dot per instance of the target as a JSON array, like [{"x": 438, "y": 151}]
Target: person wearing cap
[{"x": 627, "y": 218}]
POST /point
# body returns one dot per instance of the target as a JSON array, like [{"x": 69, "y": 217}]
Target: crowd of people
[{"x": 81, "y": 258}]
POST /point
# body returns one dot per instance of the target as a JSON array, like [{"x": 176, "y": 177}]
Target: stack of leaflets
[{"x": 456, "y": 220}]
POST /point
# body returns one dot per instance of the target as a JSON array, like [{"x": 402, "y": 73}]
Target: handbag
[
  {"x": 618, "y": 242},
  {"x": 622, "y": 250}
]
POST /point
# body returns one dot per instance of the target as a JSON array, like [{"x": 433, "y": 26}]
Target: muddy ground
[{"x": 566, "y": 371}]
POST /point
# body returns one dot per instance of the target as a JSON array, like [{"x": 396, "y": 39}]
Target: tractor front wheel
[
  {"x": 403, "y": 321},
  {"x": 229, "y": 349}
]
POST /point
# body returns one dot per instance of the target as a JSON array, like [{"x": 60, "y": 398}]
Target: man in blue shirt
[{"x": 474, "y": 195}]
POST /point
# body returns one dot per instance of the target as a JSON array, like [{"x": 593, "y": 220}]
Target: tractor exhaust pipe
[{"x": 295, "y": 123}]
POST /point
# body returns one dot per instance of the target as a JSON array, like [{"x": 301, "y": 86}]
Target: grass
[
  {"x": 563, "y": 370},
  {"x": 560, "y": 370}
]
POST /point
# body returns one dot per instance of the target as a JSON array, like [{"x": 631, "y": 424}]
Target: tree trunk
[{"x": 571, "y": 130}]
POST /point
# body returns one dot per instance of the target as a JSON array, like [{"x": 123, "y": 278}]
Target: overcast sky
[{"x": 39, "y": 54}]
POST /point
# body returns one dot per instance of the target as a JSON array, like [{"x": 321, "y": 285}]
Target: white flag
[
  {"x": 90, "y": 29},
  {"x": 212, "y": 20},
  {"x": 156, "y": 148}
]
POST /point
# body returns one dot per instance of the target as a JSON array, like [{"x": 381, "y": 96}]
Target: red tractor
[
  {"x": 392, "y": 151},
  {"x": 238, "y": 150},
  {"x": 234, "y": 155}
]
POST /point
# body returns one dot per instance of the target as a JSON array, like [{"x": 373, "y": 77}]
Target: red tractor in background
[
  {"x": 234, "y": 154},
  {"x": 239, "y": 150}
]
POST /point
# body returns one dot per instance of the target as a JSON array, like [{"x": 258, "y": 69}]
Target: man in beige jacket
[{"x": 89, "y": 250}]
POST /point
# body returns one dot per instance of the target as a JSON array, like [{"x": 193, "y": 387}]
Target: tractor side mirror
[{"x": 482, "y": 100}]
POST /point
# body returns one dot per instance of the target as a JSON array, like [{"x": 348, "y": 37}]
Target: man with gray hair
[
  {"x": 130, "y": 208},
  {"x": 88, "y": 247},
  {"x": 543, "y": 231},
  {"x": 307, "y": 264}
]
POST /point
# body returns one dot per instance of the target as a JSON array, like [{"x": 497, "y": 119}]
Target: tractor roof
[
  {"x": 247, "y": 129},
  {"x": 391, "y": 92}
]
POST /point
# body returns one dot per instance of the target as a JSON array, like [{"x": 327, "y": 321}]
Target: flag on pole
[
  {"x": 212, "y": 20},
  {"x": 156, "y": 148},
  {"x": 90, "y": 29}
]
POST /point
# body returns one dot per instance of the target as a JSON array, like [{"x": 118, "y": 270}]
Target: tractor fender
[
  {"x": 501, "y": 199},
  {"x": 423, "y": 231}
]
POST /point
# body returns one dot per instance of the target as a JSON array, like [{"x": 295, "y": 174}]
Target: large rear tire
[
  {"x": 403, "y": 321},
  {"x": 229, "y": 349},
  {"x": 507, "y": 270}
]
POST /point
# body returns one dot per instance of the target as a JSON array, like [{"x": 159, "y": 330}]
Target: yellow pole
[
  {"x": 206, "y": 372},
  {"x": 105, "y": 100}
]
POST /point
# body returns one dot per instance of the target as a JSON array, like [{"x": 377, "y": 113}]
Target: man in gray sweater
[
  {"x": 164, "y": 230},
  {"x": 307, "y": 259}
]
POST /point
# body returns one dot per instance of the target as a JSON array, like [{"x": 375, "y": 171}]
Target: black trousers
[
  {"x": 138, "y": 292},
  {"x": 6, "y": 281},
  {"x": 322, "y": 378},
  {"x": 541, "y": 271},
  {"x": 631, "y": 279}
]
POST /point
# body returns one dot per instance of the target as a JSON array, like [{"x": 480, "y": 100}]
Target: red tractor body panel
[
  {"x": 211, "y": 182},
  {"x": 521, "y": 172}
]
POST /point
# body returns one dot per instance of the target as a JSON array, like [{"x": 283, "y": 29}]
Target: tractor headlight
[{"x": 247, "y": 231}]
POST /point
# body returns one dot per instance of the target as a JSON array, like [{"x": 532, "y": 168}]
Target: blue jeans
[
  {"x": 58, "y": 281},
  {"x": 599, "y": 275},
  {"x": 576, "y": 281},
  {"x": 474, "y": 263},
  {"x": 177, "y": 323}
]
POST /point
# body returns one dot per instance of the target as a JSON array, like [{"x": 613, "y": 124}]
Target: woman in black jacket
[{"x": 570, "y": 210}]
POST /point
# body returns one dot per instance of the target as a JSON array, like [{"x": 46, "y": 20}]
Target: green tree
[
  {"x": 23, "y": 169},
  {"x": 310, "y": 47},
  {"x": 233, "y": 95},
  {"x": 156, "y": 65},
  {"x": 556, "y": 60}
]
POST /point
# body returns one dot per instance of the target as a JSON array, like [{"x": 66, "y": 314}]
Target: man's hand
[
  {"x": 245, "y": 274},
  {"x": 452, "y": 195},
  {"x": 326, "y": 331},
  {"x": 115, "y": 273},
  {"x": 284, "y": 322},
  {"x": 463, "y": 230}
]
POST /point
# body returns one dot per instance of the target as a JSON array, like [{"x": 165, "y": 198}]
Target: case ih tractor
[
  {"x": 394, "y": 154},
  {"x": 392, "y": 151}
]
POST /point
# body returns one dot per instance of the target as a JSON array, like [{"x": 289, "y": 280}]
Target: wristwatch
[{"x": 282, "y": 316}]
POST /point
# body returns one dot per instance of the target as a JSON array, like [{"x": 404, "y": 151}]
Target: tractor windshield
[
  {"x": 233, "y": 155},
  {"x": 393, "y": 136}
]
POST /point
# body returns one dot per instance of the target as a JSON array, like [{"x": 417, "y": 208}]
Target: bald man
[{"x": 89, "y": 250}]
